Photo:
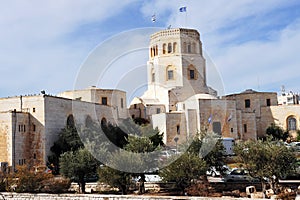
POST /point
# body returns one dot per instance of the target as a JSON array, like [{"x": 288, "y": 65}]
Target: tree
[
  {"x": 205, "y": 150},
  {"x": 115, "y": 134},
  {"x": 298, "y": 135},
  {"x": 208, "y": 145},
  {"x": 68, "y": 140},
  {"x": 142, "y": 145},
  {"x": 119, "y": 170},
  {"x": 266, "y": 160},
  {"x": 78, "y": 165},
  {"x": 135, "y": 159},
  {"x": 277, "y": 132},
  {"x": 184, "y": 170}
]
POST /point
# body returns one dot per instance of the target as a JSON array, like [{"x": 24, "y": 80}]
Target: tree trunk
[
  {"x": 263, "y": 186},
  {"x": 82, "y": 186},
  {"x": 123, "y": 189},
  {"x": 142, "y": 184}
]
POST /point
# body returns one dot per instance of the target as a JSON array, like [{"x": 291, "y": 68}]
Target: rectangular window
[
  {"x": 22, "y": 128},
  {"x": 33, "y": 109},
  {"x": 245, "y": 128},
  {"x": 178, "y": 129},
  {"x": 192, "y": 74},
  {"x": 247, "y": 103},
  {"x": 170, "y": 75},
  {"x": 122, "y": 103},
  {"x": 34, "y": 156},
  {"x": 231, "y": 130},
  {"x": 157, "y": 110},
  {"x": 268, "y": 102},
  {"x": 153, "y": 77},
  {"x": 104, "y": 100},
  {"x": 33, "y": 127},
  {"x": 134, "y": 106}
]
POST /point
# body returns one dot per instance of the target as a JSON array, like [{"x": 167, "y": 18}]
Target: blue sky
[{"x": 252, "y": 44}]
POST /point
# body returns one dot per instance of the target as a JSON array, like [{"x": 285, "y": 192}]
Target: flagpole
[{"x": 185, "y": 19}]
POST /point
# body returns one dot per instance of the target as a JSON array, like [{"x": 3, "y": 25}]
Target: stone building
[
  {"x": 179, "y": 102},
  {"x": 29, "y": 125}
]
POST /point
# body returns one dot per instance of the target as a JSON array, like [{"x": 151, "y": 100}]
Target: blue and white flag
[
  {"x": 229, "y": 118},
  {"x": 182, "y": 9},
  {"x": 153, "y": 18},
  {"x": 209, "y": 119}
]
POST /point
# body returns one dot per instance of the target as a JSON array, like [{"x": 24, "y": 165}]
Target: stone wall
[
  {"x": 219, "y": 111},
  {"x": 17, "y": 196},
  {"x": 5, "y": 135},
  {"x": 37, "y": 121},
  {"x": 279, "y": 116}
]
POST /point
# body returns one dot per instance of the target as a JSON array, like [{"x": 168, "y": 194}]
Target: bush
[
  {"x": 54, "y": 185},
  {"x": 25, "y": 180},
  {"x": 2, "y": 182}
]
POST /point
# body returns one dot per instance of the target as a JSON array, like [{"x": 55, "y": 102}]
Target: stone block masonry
[{"x": 25, "y": 196}]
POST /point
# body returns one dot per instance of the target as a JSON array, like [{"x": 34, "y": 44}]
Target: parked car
[
  {"x": 213, "y": 171},
  {"x": 295, "y": 146},
  {"x": 239, "y": 175},
  {"x": 164, "y": 155},
  {"x": 295, "y": 174}
]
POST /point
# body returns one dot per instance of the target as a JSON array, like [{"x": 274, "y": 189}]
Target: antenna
[{"x": 282, "y": 89}]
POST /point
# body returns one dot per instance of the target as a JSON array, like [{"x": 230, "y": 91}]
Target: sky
[{"x": 45, "y": 45}]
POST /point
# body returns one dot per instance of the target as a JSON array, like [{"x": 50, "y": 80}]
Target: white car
[
  {"x": 212, "y": 171},
  {"x": 295, "y": 146},
  {"x": 239, "y": 175}
]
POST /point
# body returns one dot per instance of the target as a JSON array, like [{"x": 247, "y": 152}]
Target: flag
[
  {"x": 182, "y": 9},
  {"x": 209, "y": 119},
  {"x": 153, "y": 18},
  {"x": 229, "y": 118}
]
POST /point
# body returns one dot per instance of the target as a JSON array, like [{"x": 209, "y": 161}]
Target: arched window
[
  {"x": 292, "y": 124},
  {"x": 70, "y": 121},
  {"x": 174, "y": 47},
  {"x": 152, "y": 76},
  {"x": 217, "y": 127},
  {"x": 192, "y": 72},
  {"x": 178, "y": 129},
  {"x": 193, "y": 47},
  {"x": 164, "y": 48},
  {"x": 88, "y": 121},
  {"x": 151, "y": 52},
  {"x": 189, "y": 48},
  {"x": 169, "y": 48},
  {"x": 103, "y": 122},
  {"x": 170, "y": 72}
]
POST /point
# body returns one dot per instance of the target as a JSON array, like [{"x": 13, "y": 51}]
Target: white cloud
[
  {"x": 272, "y": 62},
  {"x": 37, "y": 47},
  {"x": 43, "y": 43}
]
